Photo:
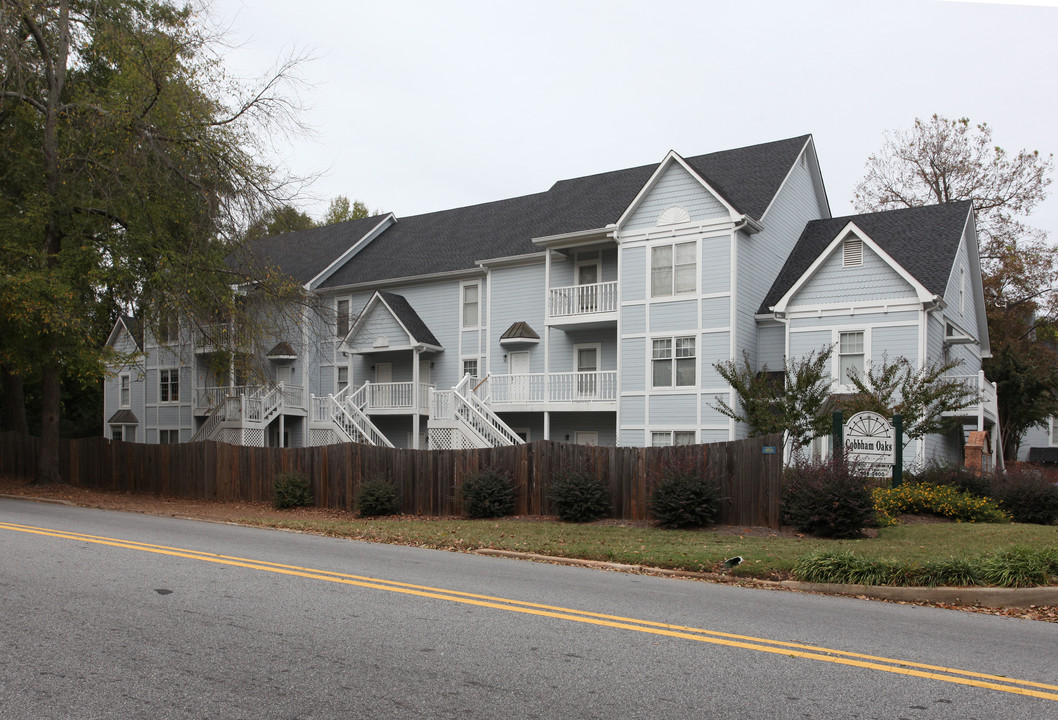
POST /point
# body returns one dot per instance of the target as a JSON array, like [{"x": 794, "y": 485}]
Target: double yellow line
[{"x": 776, "y": 647}]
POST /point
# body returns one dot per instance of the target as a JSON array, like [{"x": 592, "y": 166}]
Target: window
[
  {"x": 470, "y": 367},
  {"x": 126, "y": 433},
  {"x": 126, "y": 391},
  {"x": 850, "y": 355},
  {"x": 852, "y": 252},
  {"x": 674, "y": 362},
  {"x": 673, "y": 270},
  {"x": 470, "y": 305},
  {"x": 668, "y": 438},
  {"x": 168, "y": 328},
  {"x": 169, "y": 386},
  {"x": 342, "y": 318},
  {"x": 343, "y": 378},
  {"x": 168, "y": 437}
]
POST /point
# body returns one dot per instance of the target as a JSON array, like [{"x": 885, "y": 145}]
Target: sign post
[{"x": 898, "y": 450}]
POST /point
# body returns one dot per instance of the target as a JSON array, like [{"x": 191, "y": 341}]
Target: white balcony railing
[
  {"x": 582, "y": 300},
  {"x": 396, "y": 397},
  {"x": 568, "y": 387},
  {"x": 987, "y": 404}
]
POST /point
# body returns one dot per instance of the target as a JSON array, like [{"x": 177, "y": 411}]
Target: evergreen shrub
[
  {"x": 376, "y": 498},
  {"x": 487, "y": 494},
  {"x": 291, "y": 489},
  {"x": 682, "y": 496},
  {"x": 827, "y": 498},
  {"x": 579, "y": 497}
]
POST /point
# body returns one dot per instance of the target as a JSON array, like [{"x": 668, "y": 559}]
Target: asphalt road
[{"x": 116, "y": 615}]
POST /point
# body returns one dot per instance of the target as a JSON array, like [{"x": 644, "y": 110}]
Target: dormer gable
[
  {"x": 388, "y": 322},
  {"x": 676, "y": 195}
]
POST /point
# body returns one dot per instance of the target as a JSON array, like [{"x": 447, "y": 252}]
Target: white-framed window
[
  {"x": 169, "y": 385},
  {"x": 851, "y": 355},
  {"x": 673, "y": 269},
  {"x": 674, "y": 362},
  {"x": 471, "y": 303},
  {"x": 341, "y": 318},
  {"x": 168, "y": 437},
  {"x": 343, "y": 377},
  {"x": 668, "y": 438},
  {"x": 125, "y": 393},
  {"x": 470, "y": 367},
  {"x": 168, "y": 328}
]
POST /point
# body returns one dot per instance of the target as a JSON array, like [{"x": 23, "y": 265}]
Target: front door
[
  {"x": 587, "y": 297},
  {"x": 383, "y": 372},
  {"x": 587, "y": 437}
]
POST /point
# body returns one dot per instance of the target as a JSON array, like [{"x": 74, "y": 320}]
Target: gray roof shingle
[
  {"x": 923, "y": 240},
  {"x": 455, "y": 239}
]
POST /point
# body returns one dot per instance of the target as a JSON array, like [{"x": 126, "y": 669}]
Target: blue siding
[
  {"x": 633, "y": 411},
  {"x": 633, "y": 319},
  {"x": 518, "y": 296},
  {"x": 673, "y": 410},
  {"x": 675, "y": 316},
  {"x": 771, "y": 347},
  {"x": 633, "y": 273},
  {"x": 894, "y": 342},
  {"x": 633, "y": 365},
  {"x": 716, "y": 264},
  {"x": 716, "y": 312},
  {"x": 676, "y": 187},
  {"x": 873, "y": 280}
]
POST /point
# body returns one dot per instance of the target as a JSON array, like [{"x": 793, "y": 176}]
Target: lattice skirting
[
  {"x": 322, "y": 436},
  {"x": 448, "y": 439}
]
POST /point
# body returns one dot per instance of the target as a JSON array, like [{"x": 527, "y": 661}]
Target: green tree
[
  {"x": 940, "y": 160},
  {"x": 125, "y": 176},
  {"x": 278, "y": 220},
  {"x": 921, "y": 395},
  {"x": 795, "y": 401},
  {"x": 340, "y": 210}
]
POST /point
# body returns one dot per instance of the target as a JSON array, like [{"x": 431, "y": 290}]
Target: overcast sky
[{"x": 423, "y": 106}]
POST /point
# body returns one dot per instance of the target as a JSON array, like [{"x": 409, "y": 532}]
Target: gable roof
[
  {"x": 922, "y": 240},
  {"x": 402, "y": 311},
  {"x": 303, "y": 254},
  {"x": 453, "y": 240},
  {"x": 132, "y": 326}
]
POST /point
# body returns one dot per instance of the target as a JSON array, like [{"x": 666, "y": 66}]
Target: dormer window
[{"x": 852, "y": 252}]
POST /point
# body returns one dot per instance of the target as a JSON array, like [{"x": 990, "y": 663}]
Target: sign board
[
  {"x": 870, "y": 441},
  {"x": 768, "y": 449}
]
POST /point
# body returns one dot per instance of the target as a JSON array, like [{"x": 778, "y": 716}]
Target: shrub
[
  {"x": 291, "y": 489},
  {"x": 1015, "y": 567},
  {"x": 943, "y": 501},
  {"x": 580, "y": 497},
  {"x": 377, "y": 497},
  {"x": 827, "y": 498},
  {"x": 959, "y": 477},
  {"x": 487, "y": 494},
  {"x": 681, "y": 496},
  {"x": 951, "y": 572},
  {"x": 849, "y": 568},
  {"x": 1027, "y": 496}
]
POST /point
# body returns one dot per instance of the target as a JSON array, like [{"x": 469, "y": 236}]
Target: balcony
[
  {"x": 394, "y": 398},
  {"x": 554, "y": 391},
  {"x": 582, "y": 306},
  {"x": 986, "y": 409},
  {"x": 291, "y": 397}
]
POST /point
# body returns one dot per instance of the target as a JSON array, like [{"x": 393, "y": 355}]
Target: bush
[
  {"x": 827, "y": 498},
  {"x": 377, "y": 497},
  {"x": 941, "y": 500},
  {"x": 1027, "y": 496},
  {"x": 291, "y": 489},
  {"x": 681, "y": 496},
  {"x": 487, "y": 494},
  {"x": 580, "y": 497},
  {"x": 1015, "y": 567},
  {"x": 961, "y": 478}
]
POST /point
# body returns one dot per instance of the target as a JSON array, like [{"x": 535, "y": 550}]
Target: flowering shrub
[{"x": 942, "y": 500}]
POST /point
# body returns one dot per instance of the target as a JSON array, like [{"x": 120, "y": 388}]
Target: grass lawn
[{"x": 766, "y": 555}]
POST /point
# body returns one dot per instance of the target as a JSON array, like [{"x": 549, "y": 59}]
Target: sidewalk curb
[
  {"x": 50, "y": 501},
  {"x": 982, "y": 596}
]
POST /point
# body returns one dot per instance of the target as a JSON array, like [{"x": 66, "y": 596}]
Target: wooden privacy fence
[{"x": 749, "y": 479}]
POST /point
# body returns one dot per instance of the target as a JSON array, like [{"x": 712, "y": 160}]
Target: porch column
[
  {"x": 547, "y": 424},
  {"x": 981, "y": 400},
  {"x": 415, "y": 357},
  {"x": 282, "y": 428}
]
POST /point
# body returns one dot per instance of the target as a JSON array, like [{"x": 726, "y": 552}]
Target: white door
[
  {"x": 587, "y": 369},
  {"x": 519, "y": 369},
  {"x": 383, "y": 372},
  {"x": 587, "y": 297},
  {"x": 424, "y": 370},
  {"x": 587, "y": 437}
]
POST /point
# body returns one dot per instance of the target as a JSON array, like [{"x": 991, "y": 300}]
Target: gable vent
[{"x": 852, "y": 251}]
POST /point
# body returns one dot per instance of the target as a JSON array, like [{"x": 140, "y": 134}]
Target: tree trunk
[
  {"x": 48, "y": 462},
  {"x": 14, "y": 403}
]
